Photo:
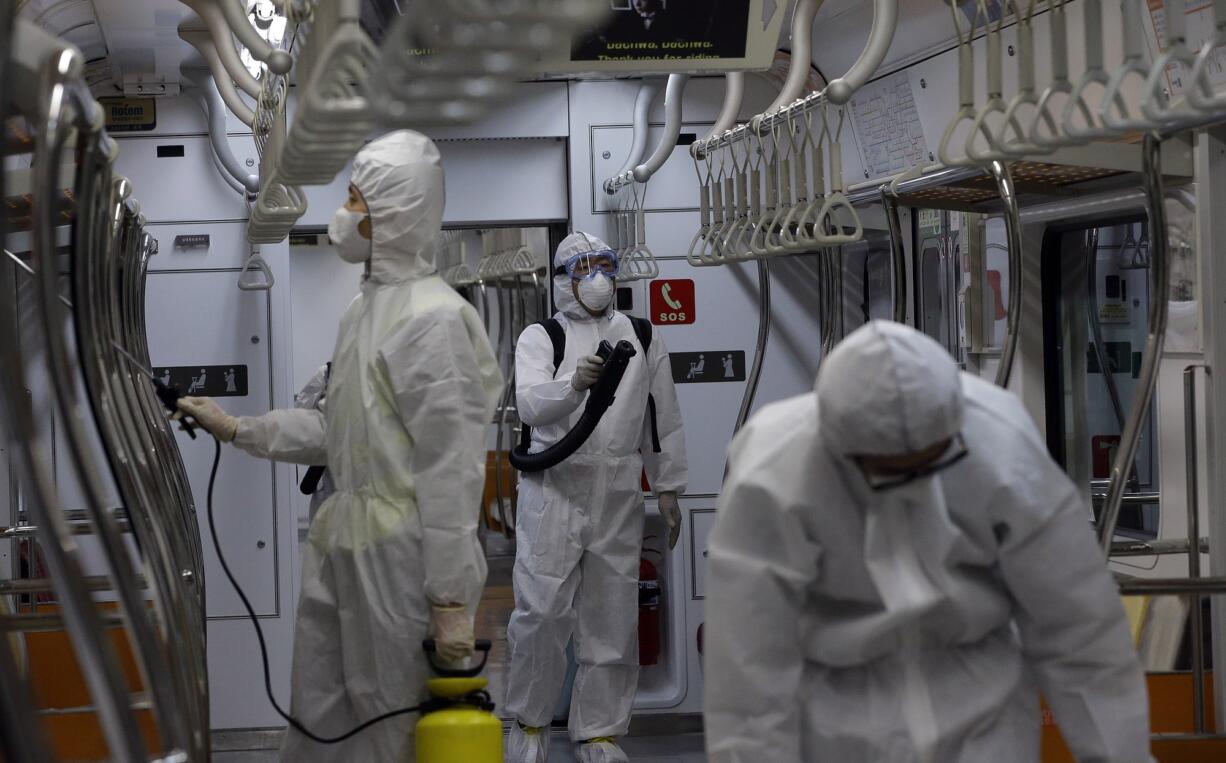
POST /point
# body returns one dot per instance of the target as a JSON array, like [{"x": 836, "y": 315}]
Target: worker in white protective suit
[
  {"x": 579, "y": 529},
  {"x": 393, "y": 556},
  {"x": 898, "y": 569}
]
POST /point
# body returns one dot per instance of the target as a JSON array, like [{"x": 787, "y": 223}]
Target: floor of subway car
[
  {"x": 497, "y": 602},
  {"x": 677, "y": 748}
]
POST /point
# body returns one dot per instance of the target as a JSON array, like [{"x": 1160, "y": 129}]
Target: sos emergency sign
[{"x": 672, "y": 301}]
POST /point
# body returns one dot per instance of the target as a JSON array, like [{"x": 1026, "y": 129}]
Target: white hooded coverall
[
  {"x": 918, "y": 623},
  {"x": 579, "y": 529},
  {"x": 412, "y": 392}
]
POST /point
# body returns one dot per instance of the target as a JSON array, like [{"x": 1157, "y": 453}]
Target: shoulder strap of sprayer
[
  {"x": 642, "y": 330},
  {"x": 557, "y": 336}
]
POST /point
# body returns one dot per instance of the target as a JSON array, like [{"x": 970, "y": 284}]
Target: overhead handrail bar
[
  {"x": 218, "y": 138},
  {"x": 279, "y": 61},
  {"x": 674, "y": 92},
  {"x": 734, "y": 96},
  {"x": 801, "y": 57},
  {"x": 200, "y": 39},
  {"x": 1121, "y": 465},
  {"x": 777, "y": 114},
  {"x": 638, "y": 140},
  {"x": 880, "y": 35},
  {"x": 223, "y": 43}
]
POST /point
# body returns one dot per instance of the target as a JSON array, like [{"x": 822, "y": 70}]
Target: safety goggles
[
  {"x": 953, "y": 454},
  {"x": 589, "y": 264}
]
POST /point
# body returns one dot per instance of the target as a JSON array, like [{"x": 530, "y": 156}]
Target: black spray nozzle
[
  {"x": 600, "y": 397},
  {"x": 169, "y": 394}
]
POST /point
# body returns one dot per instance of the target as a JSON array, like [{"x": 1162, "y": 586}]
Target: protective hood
[
  {"x": 400, "y": 176},
  {"x": 888, "y": 390},
  {"x": 563, "y": 295}
]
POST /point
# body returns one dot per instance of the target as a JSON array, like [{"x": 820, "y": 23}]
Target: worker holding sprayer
[
  {"x": 393, "y": 555},
  {"x": 580, "y": 523}
]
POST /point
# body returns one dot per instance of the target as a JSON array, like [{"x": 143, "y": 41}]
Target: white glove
[
  {"x": 210, "y": 415},
  {"x": 667, "y": 501},
  {"x": 453, "y": 632},
  {"x": 587, "y": 372}
]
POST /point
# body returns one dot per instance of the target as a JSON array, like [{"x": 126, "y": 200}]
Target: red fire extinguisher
[{"x": 649, "y": 610}]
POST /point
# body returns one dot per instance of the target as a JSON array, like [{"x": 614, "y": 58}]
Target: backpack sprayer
[{"x": 457, "y": 724}]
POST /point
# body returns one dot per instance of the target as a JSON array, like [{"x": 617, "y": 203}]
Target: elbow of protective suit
[{"x": 552, "y": 402}]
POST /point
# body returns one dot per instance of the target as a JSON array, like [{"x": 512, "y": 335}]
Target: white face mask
[
  {"x": 343, "y": 231},
  {"x": 596, "y": 292}
]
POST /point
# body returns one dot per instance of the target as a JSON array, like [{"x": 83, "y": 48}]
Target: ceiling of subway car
[{"x": 136, "y": 41}]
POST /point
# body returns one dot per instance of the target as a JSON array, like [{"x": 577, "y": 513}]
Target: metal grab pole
[
  {"x": 898, "y": 254},
  {"x": 1096, "y": 326},
  {"x": 1159, "y": 275},
  {"x": 151, "y": 660},
  {"x": 22, "y": 739},
  {"x": 1013, "y": 231},
  {"x": 764, "y": 331},
  {"x": 1196, "y": 615}
]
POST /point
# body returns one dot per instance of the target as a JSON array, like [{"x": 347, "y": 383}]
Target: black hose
[
  {"x": 259, "y": 632},
  {"x": 600, "y": 397}
]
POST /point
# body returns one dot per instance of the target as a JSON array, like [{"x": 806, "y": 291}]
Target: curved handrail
[
  {"x": 648, "y": 91},
  {"x": 223, "y": 43},
  {"x": 898, "y": 254},
  {"x": 734, "y": 96},
  {"x": 21, "y": 733},
  {"x": 95, "y": 656},
  {"x": 1013, "y": 232},
  {"x": 880, "y": 35},
  {"x": 279, "y": 61},
  {"x": 801, "y": 56},
  {"x": 213, "y": 111},
  {"x": 1151, "y": 356},
  {"x": 202, "y": 41},
  {"x": 673, "y": 94}
]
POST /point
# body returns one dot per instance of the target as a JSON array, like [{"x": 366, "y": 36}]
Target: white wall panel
[
  {"x": 202, "y": 318},
  {"x": 228, "y": 247},
  {"x": 182, "y": 188}
]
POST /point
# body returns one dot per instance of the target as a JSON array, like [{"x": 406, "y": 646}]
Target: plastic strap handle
[
  {"x": 1059, "y": 43},
  {"x": 995, "y": 103},
  {"x": 1094, "y": 73},
  {"x": 1134, "y": 63},
  {"x": 1200, "y": 93},
  {"x": 966, "y": 88}
]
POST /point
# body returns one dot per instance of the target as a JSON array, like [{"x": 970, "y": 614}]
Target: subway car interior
[{"x": 1029, "y": 185}]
